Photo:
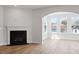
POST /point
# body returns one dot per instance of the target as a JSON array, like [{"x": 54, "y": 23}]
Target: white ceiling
[{"x": 30, "y": 6}]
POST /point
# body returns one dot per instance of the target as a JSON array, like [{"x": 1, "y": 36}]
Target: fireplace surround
[{"x": 17, "y": 35}]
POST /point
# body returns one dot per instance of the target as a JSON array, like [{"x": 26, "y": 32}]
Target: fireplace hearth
[{"x": 18, "y": 37}]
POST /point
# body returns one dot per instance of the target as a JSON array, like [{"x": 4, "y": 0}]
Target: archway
[{"x": 60, "y": 25}]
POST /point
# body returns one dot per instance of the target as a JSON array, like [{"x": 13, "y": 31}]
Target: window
[
  {"x": 54, "y": 25},
  {"x": 63, "y": 26},
  {"x": 75, "y": 27}
]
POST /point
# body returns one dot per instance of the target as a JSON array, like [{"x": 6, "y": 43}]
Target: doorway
[{"x": 60, "y": 25}]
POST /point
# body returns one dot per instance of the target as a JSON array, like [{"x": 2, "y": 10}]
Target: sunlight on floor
[{"x": 55, "y": 37}]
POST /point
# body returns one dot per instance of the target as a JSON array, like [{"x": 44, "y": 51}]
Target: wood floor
[{"x": 49, "y": 46}]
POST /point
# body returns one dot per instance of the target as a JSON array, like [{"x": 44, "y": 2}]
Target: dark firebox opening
[{"x": 18, "y": 37}]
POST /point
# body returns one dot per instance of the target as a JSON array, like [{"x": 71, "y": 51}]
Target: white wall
[
  {"x": 2, "y": 40},
  {"x": 37, "y": 28},
  {"x": 39, "y": 13},
  {"x": 17, "y": 17}
]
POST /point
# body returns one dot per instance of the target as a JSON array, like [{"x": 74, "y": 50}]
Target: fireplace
[{"x": 18, "y": 37}]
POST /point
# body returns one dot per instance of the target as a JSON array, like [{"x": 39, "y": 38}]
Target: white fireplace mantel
[{"x": 16, "y": 28}]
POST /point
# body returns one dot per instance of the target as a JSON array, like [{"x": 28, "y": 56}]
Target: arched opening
[{"x": 60, "y": 25}]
